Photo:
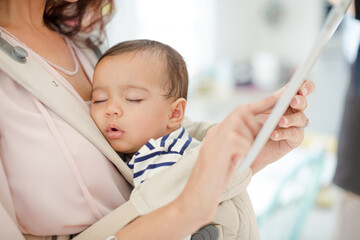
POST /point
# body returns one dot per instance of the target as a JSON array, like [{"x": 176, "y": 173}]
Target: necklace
[{"x": 54, "y": 65}]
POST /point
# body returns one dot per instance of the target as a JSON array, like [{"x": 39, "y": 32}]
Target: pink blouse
[{"x": 60, "y": 182}]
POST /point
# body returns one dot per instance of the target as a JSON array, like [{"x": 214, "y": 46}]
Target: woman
[
  {"x": 55, "y": 182},
  {"x": 347, "y": 176}
]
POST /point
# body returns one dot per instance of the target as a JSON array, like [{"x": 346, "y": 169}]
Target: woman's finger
[
  {"x": 242, "y": 122},
  {"x": 297, "y": 119},
  {"x": 249, "y": 120},
  {"x": 264, "y": 104},
  {"x": 299, "y": 102},
  {"x": 268, "y": 103},
  {"x": 293, "y": 135},
  {"x": 241, "y": 128},
  {"x": 253, "y": 124},
  {"x": 306, "y": 88}
]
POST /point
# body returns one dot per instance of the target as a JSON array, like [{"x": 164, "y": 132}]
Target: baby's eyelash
[
  {"x": 134, "y": 100},
  {"x": 99, "y": 101}
]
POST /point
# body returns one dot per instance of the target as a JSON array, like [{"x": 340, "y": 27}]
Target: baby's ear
[{"x": 177, "y": 112}]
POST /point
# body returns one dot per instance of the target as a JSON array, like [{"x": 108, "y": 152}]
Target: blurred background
[{"x": 239, "y": 51}]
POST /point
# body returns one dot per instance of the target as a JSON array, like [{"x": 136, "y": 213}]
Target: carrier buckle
[
  {"x": 208, "y": 232},
  {"x": 17, "y": 53}
]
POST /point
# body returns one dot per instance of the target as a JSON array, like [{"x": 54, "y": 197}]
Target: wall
[
  {"x": 235, "y": 31},
  {"x": 242, "y": 30},
  {"x": 123, "y": 26}
]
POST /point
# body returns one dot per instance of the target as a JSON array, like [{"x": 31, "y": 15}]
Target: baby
[{"x": 138, "y": 103}]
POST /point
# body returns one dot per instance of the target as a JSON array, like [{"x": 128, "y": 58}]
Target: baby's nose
[{"x": 114, "y": 111}]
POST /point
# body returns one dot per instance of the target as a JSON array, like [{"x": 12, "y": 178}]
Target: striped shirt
[{"x": 157, "y": 155}]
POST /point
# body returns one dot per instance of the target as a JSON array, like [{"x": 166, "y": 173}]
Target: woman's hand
[
  {"x": 231, "y": 140},
  {"x": 223, "y": 145},
  {"x": 287, "y": 136},
  {"x": 221, "y": 149}
]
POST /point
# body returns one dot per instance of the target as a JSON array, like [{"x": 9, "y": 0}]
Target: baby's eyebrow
[
  {"x": 135, "y": 86},
  {"x": 97, "y": 88},
  {"x": 123, "y": 88}
]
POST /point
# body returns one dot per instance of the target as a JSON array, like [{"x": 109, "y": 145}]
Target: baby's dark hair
[{"x": 174, "y": 64}]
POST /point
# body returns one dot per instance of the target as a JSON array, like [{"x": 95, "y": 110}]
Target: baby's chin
[{"x": 127, "y": 151}]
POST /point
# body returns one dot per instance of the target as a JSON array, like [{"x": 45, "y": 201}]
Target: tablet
[{"x": 331, "y": 23}]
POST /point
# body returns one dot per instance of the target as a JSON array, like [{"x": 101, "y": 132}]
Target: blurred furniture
[{"x": 285, "y": 215}]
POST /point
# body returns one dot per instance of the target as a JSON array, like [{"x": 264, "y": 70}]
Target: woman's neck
[{"x": 22, "y": 14}]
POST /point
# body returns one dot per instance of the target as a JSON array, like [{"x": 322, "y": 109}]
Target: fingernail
[
  {"x": 275, "y": 136},
  {"x": 283, "y": 122},
  {"x": 304, "y": 92},
  {"x": 295, "y": 102}
]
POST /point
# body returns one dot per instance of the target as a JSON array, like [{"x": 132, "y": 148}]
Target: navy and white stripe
[{"x": 157, "y": 155}]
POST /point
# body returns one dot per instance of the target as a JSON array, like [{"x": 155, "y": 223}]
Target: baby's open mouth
[{"x": 113, "y": 131}]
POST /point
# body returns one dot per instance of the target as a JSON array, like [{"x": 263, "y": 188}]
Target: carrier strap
[
  {"x": 111, "y": 223},
  {"x": 44, "y": 87}
]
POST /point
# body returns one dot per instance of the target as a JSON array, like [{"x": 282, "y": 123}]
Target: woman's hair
[
  {"x": 176, "y": 74},
  {"x": 71, "y": 18}
]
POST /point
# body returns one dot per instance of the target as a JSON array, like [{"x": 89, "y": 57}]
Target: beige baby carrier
[{"x": 235, "y": 218}]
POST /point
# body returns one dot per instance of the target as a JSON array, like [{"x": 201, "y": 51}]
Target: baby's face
[{"x": 128, "y": 100}]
